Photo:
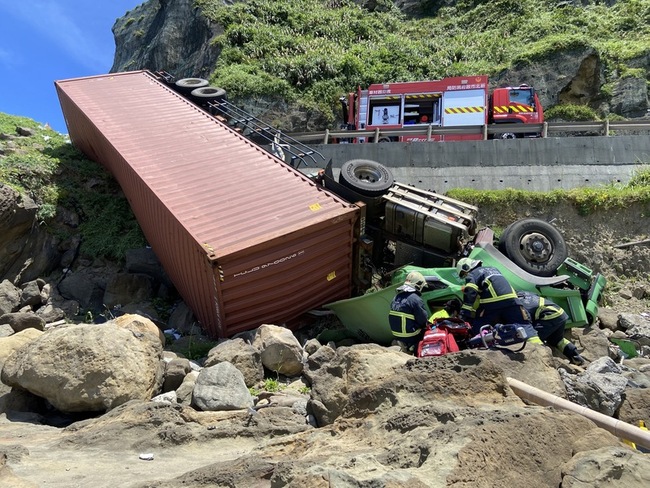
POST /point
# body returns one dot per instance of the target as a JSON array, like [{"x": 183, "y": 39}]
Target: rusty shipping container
[{"x": 245, "y": 238}]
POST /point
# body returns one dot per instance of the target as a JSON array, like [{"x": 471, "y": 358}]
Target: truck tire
[
  {"x": 186, "y": 85},
  {"x": 366, "y": 177},
  {"x": 207, "y": 94},
  {"x": 534, "y": 245}
]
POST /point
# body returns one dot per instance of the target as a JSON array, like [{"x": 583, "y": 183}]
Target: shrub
[{"x": 571, "y": 112}]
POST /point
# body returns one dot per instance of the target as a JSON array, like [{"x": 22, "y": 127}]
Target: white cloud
[{"x": 50, "y": 19}]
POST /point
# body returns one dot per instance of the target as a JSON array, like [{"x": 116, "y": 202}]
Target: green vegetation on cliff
[
  {"x": 42, "y": 164},
  {"x": 313, "y": 50}
]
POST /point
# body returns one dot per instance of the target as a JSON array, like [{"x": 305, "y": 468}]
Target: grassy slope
[
  {"x": 314, "y": 50},
  {"x": 54, "y": 174}
]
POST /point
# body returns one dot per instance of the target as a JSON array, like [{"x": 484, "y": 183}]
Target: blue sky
[{"x": 46, "y": 40}]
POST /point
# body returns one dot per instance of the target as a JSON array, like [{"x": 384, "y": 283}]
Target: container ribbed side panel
[{"x": 244, "y": 238}]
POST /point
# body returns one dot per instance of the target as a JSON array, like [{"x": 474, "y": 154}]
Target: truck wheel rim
[{"x": 536, "y": 247}]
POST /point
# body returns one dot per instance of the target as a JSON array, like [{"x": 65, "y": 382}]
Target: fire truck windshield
[{"x": 523, "y": 96}]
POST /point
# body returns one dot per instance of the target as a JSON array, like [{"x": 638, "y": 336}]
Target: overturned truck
[{"x": 249, "y": 237}]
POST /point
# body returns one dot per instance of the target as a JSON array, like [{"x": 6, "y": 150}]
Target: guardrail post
[
  {"x": 429, "y": 133},
  {"x": 545, "y": 130},
  {"x": 485, "y": 132},
  {"x": 326, "y": 139},
  {"x": 607, "y": 127},
  {"x": 376, "y": 135}
]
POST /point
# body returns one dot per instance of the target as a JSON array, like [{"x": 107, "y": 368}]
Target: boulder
[
  {"x": 86, "y": 368},
  {"x": 240, "y": 354},
  {"x": 341, "y": 380},
  {"x": 31, "y": 294},
  {"x": 182, "y": 319},
  {"x": 221, "y": 387},
  {"x": 126, "y": 288},
  {"x": 9, "y": 297},
  {"x": 184, "y": 391},
  {"x": 175, "y": 372},
  {"x": 141, "y": 325},
  {"x": 17, "y": 216},
  {"x": 607, "y": 466},
  {"x": 635, "y": 406},
  {"x": 591, "y": 341},
  {"x": 599, "y": 388},
  {"x": 21, "y": 321},
  {"x": 15, "y": 341},
  {"x": 280, "y": 350}
]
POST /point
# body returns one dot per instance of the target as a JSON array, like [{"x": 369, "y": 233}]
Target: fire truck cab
[
  {"x": 449, "y": 102},
  {"x": 511, "y": 105}
]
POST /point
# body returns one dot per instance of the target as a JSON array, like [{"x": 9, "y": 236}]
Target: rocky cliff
[{"x": 175, "y": 35}]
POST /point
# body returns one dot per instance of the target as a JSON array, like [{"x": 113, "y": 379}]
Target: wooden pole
[{"x": 619, "y": 428}]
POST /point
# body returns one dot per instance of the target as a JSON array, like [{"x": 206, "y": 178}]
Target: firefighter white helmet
[
  {"x": 465, "y": 265},
  {"x": 416, "y": 280}
]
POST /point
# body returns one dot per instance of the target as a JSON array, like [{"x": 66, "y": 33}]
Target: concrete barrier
[{"x": 527, "y": 164}]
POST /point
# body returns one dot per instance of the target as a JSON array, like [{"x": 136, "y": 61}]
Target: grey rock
[
  {"x": 175, "y": 372},
  {"x": 164, "y": 25},
  {"x": 280, "y": 350},
  {"x": 600, "y": 387},
  {"x": 21, "y": 321},
  {"x": 311, "y": 346},
  {"x": 184, "y": 391},
  {"x": 607, "y": 466},
  {"x": 182, "y": 319},
  {"x": 31, "y": 294},
  {"x": 240, "y": 354},
  {"x": 9, "y": 297},
  {"x": 221, "y": 387},
  {"x": 126, "y": 288},
  {"x": 630, "y": 97},
  {"x": 6, "y": 330},
  {"x": 635, "y": 406},
  {"x": 167, "y": 397},
  {"x": 608, "y": 318}
]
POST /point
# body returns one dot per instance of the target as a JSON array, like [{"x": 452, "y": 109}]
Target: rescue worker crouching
[
  {"x": 488, "y": 298},
  {"x": 549, "y": 320},
  {"x": 408, "y": 314}
]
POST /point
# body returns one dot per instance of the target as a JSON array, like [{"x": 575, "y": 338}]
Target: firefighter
[
  {"x": 408, "y": 314},
  {"x": 549, "y": 320},
  {"x": 488, "y": 298}
]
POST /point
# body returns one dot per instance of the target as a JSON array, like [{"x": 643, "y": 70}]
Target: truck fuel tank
[{"x": 428, "y": 218}]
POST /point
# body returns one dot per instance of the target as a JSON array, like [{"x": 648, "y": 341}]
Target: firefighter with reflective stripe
[
  {"x": 549, "y": 320},
  {"x": 488, "y": 298},
  {"x": 408, "y": 314}
]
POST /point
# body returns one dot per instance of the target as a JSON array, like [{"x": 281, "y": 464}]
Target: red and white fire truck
[{"x": 450, "y": 102}]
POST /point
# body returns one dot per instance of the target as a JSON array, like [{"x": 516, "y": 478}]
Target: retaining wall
[{"x": 530, "y": 164}]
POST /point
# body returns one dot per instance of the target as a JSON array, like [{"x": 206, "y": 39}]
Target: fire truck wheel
[
  {"x": 186, "y": 85},
  {"x": 366, "y": 177},
  {"x": 535, "y": 246},
  {"x": 507, "y": 135},
  {"x": 208, "y": 94}
]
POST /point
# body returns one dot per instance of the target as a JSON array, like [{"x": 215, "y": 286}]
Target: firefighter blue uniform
[
  {"x": 408, "y": 314},
  {"x": 549, "y": 320},
  {"x": 488, "y": 298}
]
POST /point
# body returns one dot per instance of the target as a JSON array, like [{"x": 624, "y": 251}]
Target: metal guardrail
[{"x": 604, "y": 128}]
